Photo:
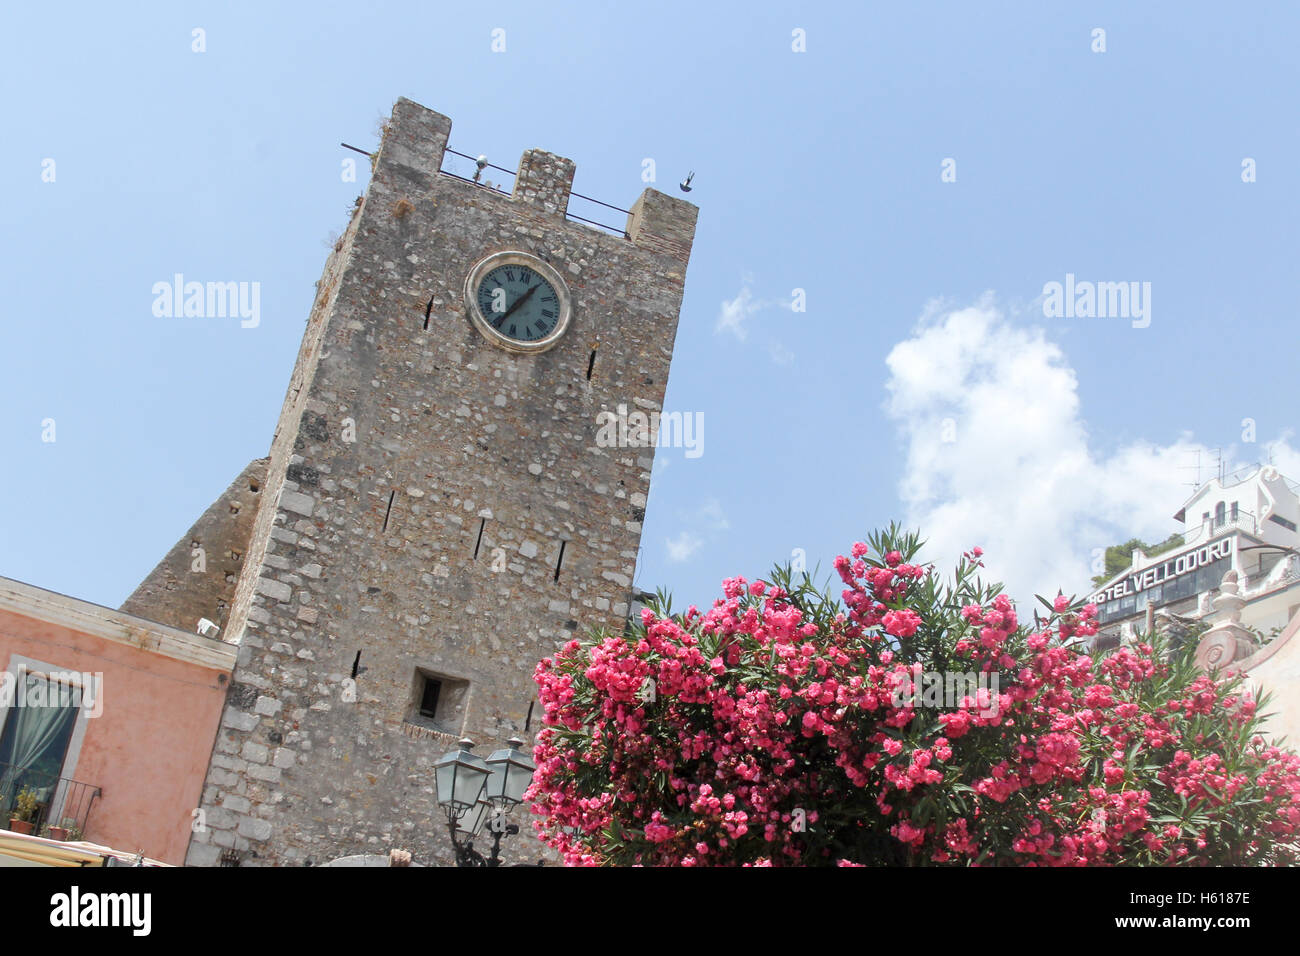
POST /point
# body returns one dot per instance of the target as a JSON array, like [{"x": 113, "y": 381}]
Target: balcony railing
[
  {"x": 1242, "y": 520},
  {"x": 60, "y": 801},
  {"x": 1211, "y": 527}
]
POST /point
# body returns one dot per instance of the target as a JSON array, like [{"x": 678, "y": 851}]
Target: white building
[
  {"x": 1237, "y": 571},
  {"x": 1247, "y": 525}
]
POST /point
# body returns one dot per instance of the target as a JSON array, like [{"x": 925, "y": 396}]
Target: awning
[{"x": 20, "y": 849}]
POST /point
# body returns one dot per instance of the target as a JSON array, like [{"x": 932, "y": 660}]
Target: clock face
[{"x": 518, "y": 301}]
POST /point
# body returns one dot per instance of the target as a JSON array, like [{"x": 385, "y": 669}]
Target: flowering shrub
[{"x": 782, "y": 727}]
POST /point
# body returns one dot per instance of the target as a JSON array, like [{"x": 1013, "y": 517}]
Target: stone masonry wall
[
  {"x": 180, "y": 590},
  {"x": 286, "y": 429},
  {"x": 425, "y": 486}
]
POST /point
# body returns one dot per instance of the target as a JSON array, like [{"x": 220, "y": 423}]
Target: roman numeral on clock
[{"x": 504, "y": 305}]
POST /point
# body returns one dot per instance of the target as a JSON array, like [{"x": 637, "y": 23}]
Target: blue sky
[{"x": 923, "y": 382}]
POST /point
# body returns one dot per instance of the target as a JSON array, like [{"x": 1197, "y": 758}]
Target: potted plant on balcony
[
  {"x": 24, "y": 811},
  {"x": 53, "y": 832},
  {"x": 67, "y": 832}
]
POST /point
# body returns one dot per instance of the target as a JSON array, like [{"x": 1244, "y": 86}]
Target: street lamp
[
  {"x": 460, "y": 777},
  {"x": 473, "y": 791},
  {"x": 512, "y": 772}
]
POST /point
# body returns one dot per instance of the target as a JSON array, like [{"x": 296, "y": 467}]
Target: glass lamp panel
[
  {"x": 519, "y": 774},
  {"x": 470, "y": 777},
  {"x": 496, "y": 784},
  {"x": 512, "y": 771},
  {"x": 460, "y": 776},
  {"x": 472, "y": 822},
  {"x": 444, "y": 774}
]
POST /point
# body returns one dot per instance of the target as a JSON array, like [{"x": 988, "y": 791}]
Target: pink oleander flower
[
  {"x": 902, "y": 623},
  {"x": 790, "y": 729}
]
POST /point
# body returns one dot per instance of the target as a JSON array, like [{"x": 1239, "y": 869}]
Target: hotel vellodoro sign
[{"x": 1168, "y": 570}]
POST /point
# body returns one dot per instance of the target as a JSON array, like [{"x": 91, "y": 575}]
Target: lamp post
[{"x": 473, "y": 791}]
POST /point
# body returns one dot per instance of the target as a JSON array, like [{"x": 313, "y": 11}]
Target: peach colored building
[{"x": 107, "y": 720}]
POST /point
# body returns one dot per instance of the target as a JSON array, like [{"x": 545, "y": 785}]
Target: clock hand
[{"x": 519, "y": 301}]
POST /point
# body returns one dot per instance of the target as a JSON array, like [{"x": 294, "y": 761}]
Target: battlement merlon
[
  {"x": 415, "y": 141},
  {"x": 664, "y": 224},
  {"x": 415, "y": 144},
  {"x": 544, "y": 180}
]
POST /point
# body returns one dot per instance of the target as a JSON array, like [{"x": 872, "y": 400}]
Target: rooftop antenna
[
  {"x": 685, "y": 184},
  {"x": 1197, "y": 483}
]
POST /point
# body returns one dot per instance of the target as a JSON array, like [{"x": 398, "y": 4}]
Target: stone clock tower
[{"x": 436, "y": 514}]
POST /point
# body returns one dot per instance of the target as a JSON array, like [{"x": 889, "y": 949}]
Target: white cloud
[
  {"x": 997, "y": 455},
  {"x": 736, "y": 312},
  {"x": 779, "y": 353},
  {"x": 1281, "y": 454},
  {"x": 708, "y": 519},
  {"x": 711, "y": 516},
  {"x": 683, "y": 546},
  {"x": 734, "y": 315}
]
